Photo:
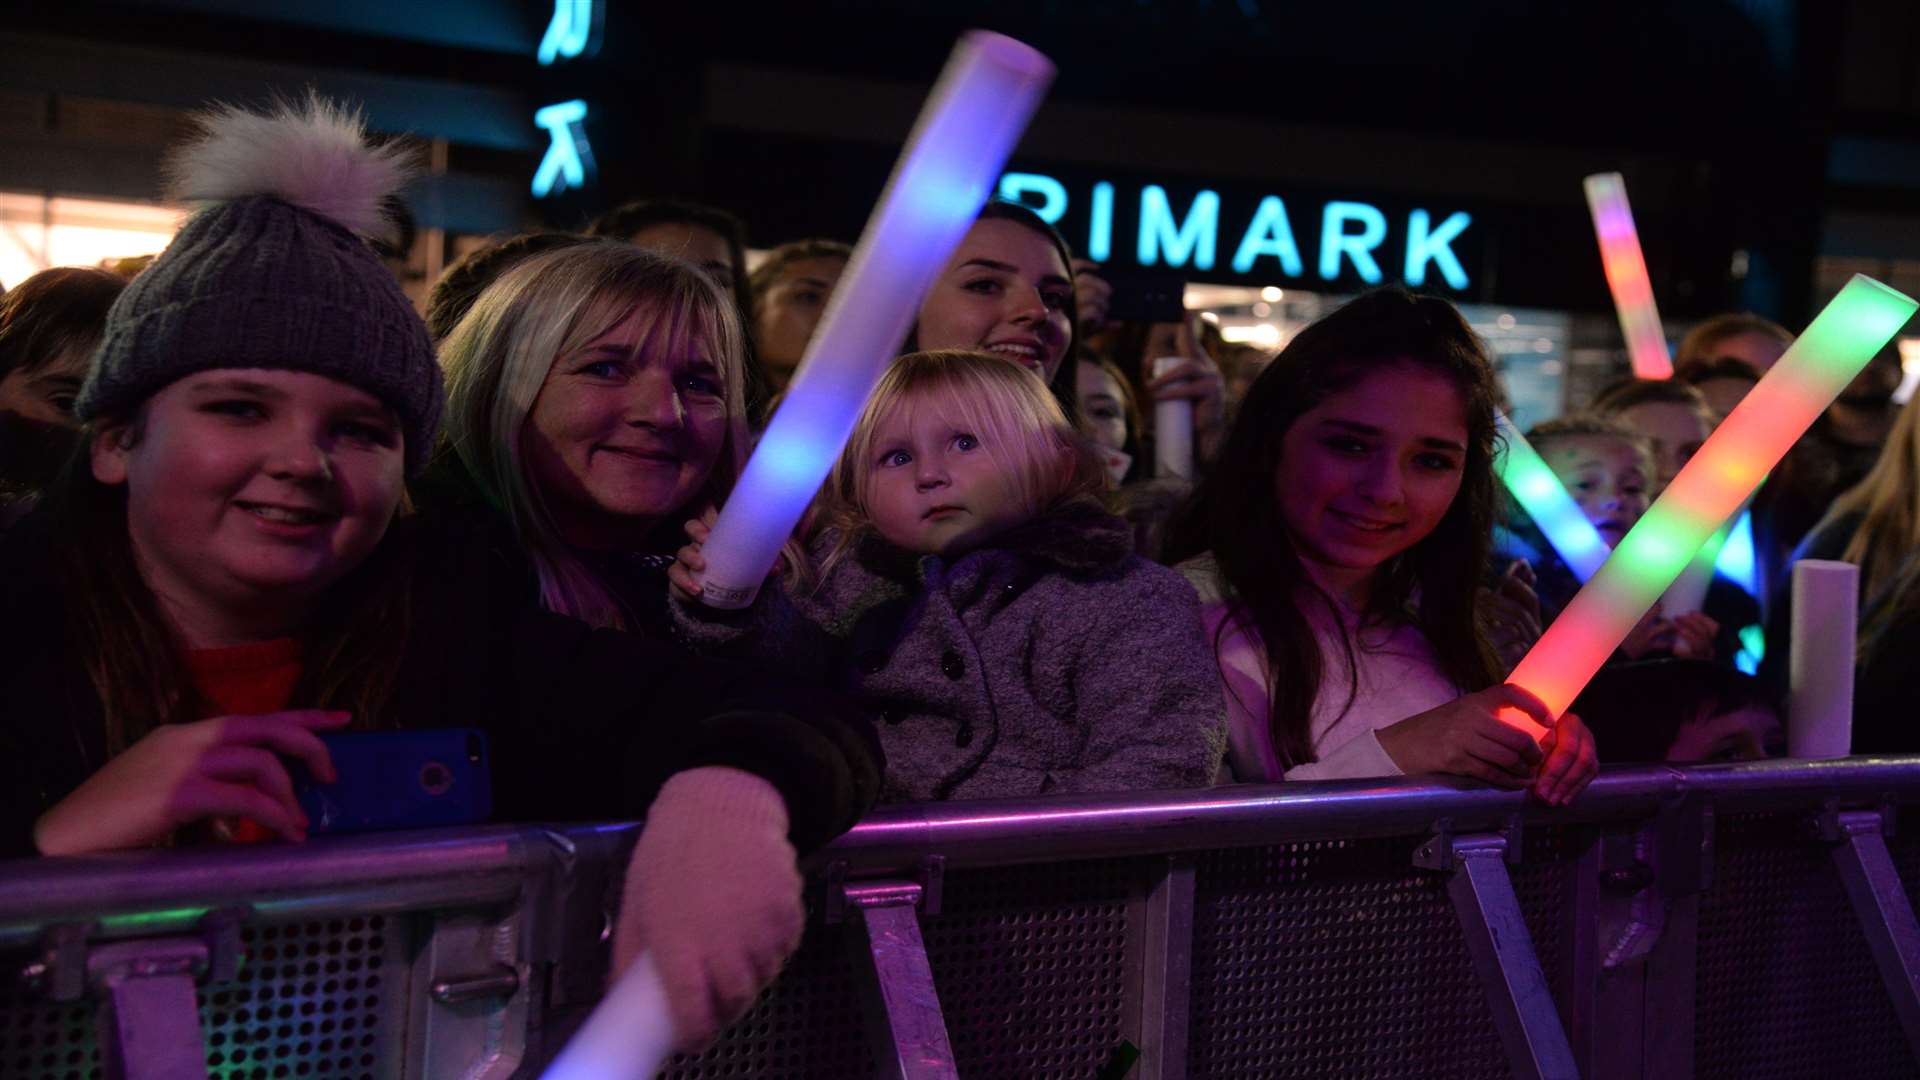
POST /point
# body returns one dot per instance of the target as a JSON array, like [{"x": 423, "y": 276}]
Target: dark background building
[{"x": 1771, "y": 147}]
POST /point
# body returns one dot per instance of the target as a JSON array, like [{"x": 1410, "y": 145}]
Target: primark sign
[{"x": 1238, "y": 233}]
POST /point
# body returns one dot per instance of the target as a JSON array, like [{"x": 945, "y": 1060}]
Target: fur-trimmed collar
[{"x": 1078, "y": 537}]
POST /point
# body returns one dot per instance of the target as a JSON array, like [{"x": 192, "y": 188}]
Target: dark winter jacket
[
  {"x": 584, "y": 724},
  {"x": 1054, "y": 660}
]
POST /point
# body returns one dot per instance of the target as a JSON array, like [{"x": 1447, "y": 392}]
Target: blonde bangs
[{"x": 1002, "y": 404}]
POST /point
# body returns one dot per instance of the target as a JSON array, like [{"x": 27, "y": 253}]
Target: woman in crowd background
[
  {"x": 790, "y": 289},
  {"x": 1008, "y": 290},
  {"x": 49, "y": 325}
]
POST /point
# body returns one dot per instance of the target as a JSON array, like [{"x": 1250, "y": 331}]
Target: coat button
[
  {"x": 872, "y": 661},
  {"x": 952, "y": 666},
  {"x": 965, "y": 736}
]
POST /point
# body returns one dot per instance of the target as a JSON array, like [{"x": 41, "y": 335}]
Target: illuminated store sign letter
[
  {"x": 1270, "y": 234},
  {"x": 568, "y": 156},
  {"x": 1427, "y": 245},
  {"x": 1358, "y": 247},
  {"x": 569, "y": 31},
  {"x": 1053, "y": 193},
  {"x": 1192, "y": 239},
  {"x": 1100, "y": 232}
]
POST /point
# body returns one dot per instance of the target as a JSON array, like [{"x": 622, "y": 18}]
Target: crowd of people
[{"x": 253, "y": 498}]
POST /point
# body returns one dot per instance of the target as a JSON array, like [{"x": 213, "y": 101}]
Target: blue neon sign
[
  {"x": 1192, "y": 239},
  {"x": 1358, "y": 240},
  {"x": 570, "y": 31},
  {"x": 569, "y": 158}
]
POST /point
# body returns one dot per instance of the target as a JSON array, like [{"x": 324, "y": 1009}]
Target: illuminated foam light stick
[
  {"x": 1627, "y": 276},
  {"x": 1728, "y": 554},
  {"x": 1541, "y": 494},
  {"x": 965, "y": 133},
  {"x": 1826, "y": 606},
  {"x": 629, "y": 1035},
  {"x": 1710, "y": 488},
  {"x": 1689, "y": 590}
]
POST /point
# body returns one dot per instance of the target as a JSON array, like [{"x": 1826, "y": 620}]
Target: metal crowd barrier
[{"x": 1736, "y": 921}]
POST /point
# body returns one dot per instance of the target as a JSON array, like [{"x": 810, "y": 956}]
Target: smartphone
[
  {"x": 399, "y": 780},
  {"x": 1146, "y": 297}
]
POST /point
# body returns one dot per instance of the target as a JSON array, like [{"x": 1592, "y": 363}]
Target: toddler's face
[
  {"x": 1604, "y": 476},
  {"x": 933, "y": 487}
]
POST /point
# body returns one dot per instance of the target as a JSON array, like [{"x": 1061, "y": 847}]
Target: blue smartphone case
[{"x": 399, "y": 780}]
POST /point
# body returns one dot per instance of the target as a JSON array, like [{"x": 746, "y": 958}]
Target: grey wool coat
[{"x": 1052, "y": 660}]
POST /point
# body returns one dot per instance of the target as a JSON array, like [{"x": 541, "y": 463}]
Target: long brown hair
[
  {"x": 1234, "y": 513},
  {"x": 351, "y": 643},
  {"x": 1888, "y": 502}
]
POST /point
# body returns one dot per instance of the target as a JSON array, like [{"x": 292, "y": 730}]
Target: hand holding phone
[{"x": 399, "y": 780}]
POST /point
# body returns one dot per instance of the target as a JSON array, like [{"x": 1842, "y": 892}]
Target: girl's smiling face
[
  {"x": 1370, "y": 472},
  {"x": 1005, "y": 291},
  {"x": 250, "y": 491}
]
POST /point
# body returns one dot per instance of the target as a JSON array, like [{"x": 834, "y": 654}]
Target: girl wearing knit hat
[
  {"x": 253, "y": 408},
  {"x": 234, "y": 542}
]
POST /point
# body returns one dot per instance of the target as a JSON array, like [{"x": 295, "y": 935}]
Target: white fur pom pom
[{"x": 313, "y": 154}]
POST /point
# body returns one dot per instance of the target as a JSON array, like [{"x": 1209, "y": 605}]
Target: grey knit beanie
[{"x": 273, "y": 271}]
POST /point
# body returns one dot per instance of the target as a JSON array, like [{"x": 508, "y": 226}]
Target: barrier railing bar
[
  {"x": 894, "y": 839},
  {"x": 1880, "y": 901},
  {"x": 905, "y": 1026},
  {"x": 150, "y": 892},
  {"x": 1160, "y": 991},
  {"x": 1524, "y": 1012}
]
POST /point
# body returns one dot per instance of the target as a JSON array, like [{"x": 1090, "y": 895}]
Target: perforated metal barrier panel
[
  {"x": 315, "y": 1000},
  {"x": 1310, "y": 962},
  {"x": 1030, "y": 963},
  {"x": 1786, "y": 984},
  {"x": 1312, "y": 958}
]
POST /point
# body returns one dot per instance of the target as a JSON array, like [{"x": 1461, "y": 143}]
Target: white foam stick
[
  {"x": 1172, "y": 428},
  {"x": 969, "y": 126},
  {"x": 628, "y": 1036},
  {"x": 1826, "y": 615}
]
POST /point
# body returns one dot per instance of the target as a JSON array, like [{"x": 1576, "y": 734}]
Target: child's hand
[
  {"x": 1693, "y": 635},
  {"x": 178, "y": 774},
  {"x": 1511, "y": 614},
  {"x": 1466, "y": 737},
  {"x": 1572, "y": 762},
  {"x": 688, "y": 562}
]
